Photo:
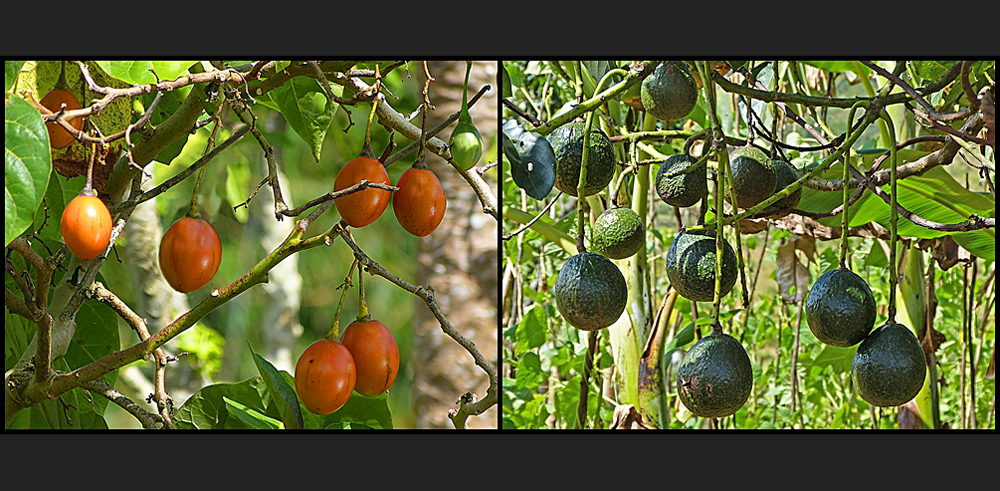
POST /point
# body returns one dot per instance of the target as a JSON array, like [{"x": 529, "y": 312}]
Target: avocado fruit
[
  {"x": 590, "y": 291},
  {"x": 618, "y": 233},
  {"x": 889, "y": 366},
  {"x": 754, "y": 177},
  {"x": 840, "y": 309},
  {"x": 785, "y": 175},
  {"x": 670, "y": 92},
  {"x": 677, "y": 187},
  {"x": 714, "y": 379},
  {"x": 690, "y": 265},
  {"x": 567, "y": 145}
]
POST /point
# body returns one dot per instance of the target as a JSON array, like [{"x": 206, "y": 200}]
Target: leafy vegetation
[{"x": 919, "y": 141}]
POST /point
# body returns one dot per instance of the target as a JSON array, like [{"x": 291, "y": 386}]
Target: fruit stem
[
  {"x": 893, "y": 215},
  {"x": 61, "y": 83},
  {"x": 335, "y": 332},
  {"x": 363, "y": 314},
  {"x": 718, "y": 137},
  {"x": 464, "y": 116},
  {"x": 422, "y": 149},
  {"x": 366, "y": 149},
  {"x": 846, "y": 160}
]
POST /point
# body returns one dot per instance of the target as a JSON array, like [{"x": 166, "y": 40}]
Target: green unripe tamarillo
[
  {"x": 677, "y": 187},
  {"x": 889, "y": 366},
  {"x": 618, "y": 233},
  {"x": 754, "y": 177},
  {"x": 466, "y": 145},
  {"x": 670, "y": 92},
  {"x": 715, "y": 377},
  {"x": 590, "y": 291}
]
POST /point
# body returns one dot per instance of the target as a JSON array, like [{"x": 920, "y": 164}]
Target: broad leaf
[
  {"x": 10, "y": 71},
  {"x": 27, "y": 166},
  {"x": 532, "y": 160},
  {"x": 531, "y": 330},
  {"x": 306, "y": 108},
  {"x": 207, "y": 408},
  {"x": 251, "y": 417},
  {"x": 145, "y": 72},
  {"x": 281, "y": 392}
]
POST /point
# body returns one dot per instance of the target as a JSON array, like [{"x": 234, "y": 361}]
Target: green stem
[{"x": 893, "y": 214}]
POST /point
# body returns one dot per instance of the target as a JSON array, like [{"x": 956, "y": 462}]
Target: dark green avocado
[
  {"x": 840, "y": 309},
  {"x": 889, "y": 366},
  {"x": 590, "y": 291},
  {"x": 715, "y": 377},
  {"x": 785, "y": 174},
  {"x": 691, "y": 265},
  {"x": 678, "y": 188},
  {"x": 618, "y": 233},
  {"x": 567, "y": 144},
  {"x": 670, "y": 92},
  {"x": 754, "y": 177}
]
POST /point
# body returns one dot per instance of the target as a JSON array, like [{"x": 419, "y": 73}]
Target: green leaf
[
  {"x": 833, "y": 356},
  {"x": 532, "y": 160},
  {"x": 145, "y": 72},
  {"x": 169, "y": 103},
  {"x": 505, "y": 83},
  {"x": 281, "y": 392},
  {"x": 207, "y": 409},
  {"x": 27, "y": 166},
  {"x": 251, "y": 417},
  {"x": 531, "y": 330},
  {"x": 934, "y": 195},
  {"x": 529, "y": 371},
  {"x": 359, "y": 412},
  {"x": 838, "y": 66},
  {"x": 10, "y": 70},
  {"x": 303, "y": 103}
]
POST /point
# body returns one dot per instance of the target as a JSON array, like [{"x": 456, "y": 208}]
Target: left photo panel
[{"x": 265, "y": 244}]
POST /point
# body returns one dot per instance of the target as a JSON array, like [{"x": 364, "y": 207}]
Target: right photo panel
[{"x": 748, "y": 244}]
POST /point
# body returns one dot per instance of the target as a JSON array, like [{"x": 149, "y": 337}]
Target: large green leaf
[
  {"x": 307, "y": 110},
  {"x": 27, "y": 166},
  {"x": 207, "y": 408},
  {"x": 10, "y": 71},
  {"x": 282, "y": 392},
  {"x": 145, "y": 72},
  {"x": 251, "y": 417},
  {"x": 934, "y": 195},
  {"x": 531, "y": 330},
  {"x": 96, "y": 336}
]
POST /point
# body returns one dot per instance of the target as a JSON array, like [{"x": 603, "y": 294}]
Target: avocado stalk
[{"x": 630, "y": 333}]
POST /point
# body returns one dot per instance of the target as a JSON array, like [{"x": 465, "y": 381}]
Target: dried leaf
[
  {"x": 909, "y": 417},
  {"x": 791, "y": 273},
  {"x": 627, "y": 417}
]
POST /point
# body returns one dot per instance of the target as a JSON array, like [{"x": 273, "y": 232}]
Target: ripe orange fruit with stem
[
  {"x": 420, "y": 202},
  {"x": 365, "y": 206},
  {"x": 86, "y": 226},
  {"x": 54, "y": 101},
  {"x": 375, "y": 353},
  {"x": 325, "y": 376},
  {"x": 190, "y": 254}
]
